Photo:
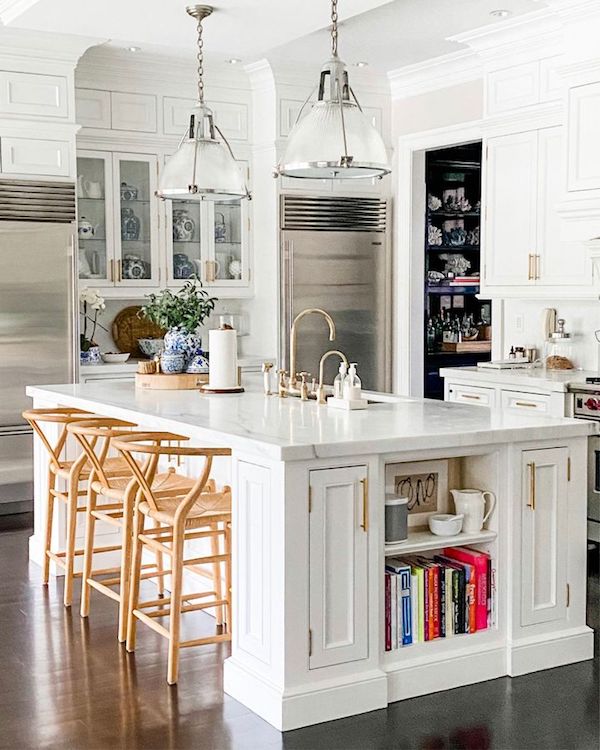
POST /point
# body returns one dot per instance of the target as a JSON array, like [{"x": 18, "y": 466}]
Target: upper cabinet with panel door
[{"x": 524, "y": 254}]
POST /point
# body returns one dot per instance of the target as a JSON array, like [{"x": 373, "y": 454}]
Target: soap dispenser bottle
[
  {"x": 338, "y": 383},
  {"x": 352, "y": 385}
]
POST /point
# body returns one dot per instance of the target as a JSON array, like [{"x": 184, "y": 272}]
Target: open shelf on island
[{"x": 423, "y": 539}]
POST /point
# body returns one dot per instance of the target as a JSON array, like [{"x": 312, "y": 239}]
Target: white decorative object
[
  {"x": 347, "y": 404},
  {"x": 433, "y": 203},
  {"x": 424, "y": 483},
  {"x": 471, "y": 504},
  {"x": 223, "y": 368},
  {"x": 445, "y": 524},
  {"x": 434, "y": 235}
]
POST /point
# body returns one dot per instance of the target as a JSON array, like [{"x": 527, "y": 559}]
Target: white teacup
[{"x": 471, "y": 504}]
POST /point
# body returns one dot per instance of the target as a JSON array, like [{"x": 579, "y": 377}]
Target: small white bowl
[
  {"x": 445, "y": 524},
  {"x": 113, "y": 358}
]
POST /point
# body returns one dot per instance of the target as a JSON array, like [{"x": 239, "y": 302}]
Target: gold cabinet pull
[
  {"x": 119, "y": 277},
  {"x": 528, "y": 404},
  {"x": 530, "y": 268},
  {"x": 112, "y": 270},
  {"x": 211, "y": 270},
  {"x": 365, "y": 505},
  {"x": 469, "y": 395},
  {"x": 531, "y": 501},
  {"x": 538, "y": 266}
]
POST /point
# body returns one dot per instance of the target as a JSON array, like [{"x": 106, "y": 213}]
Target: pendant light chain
[
  {"x": 334, "y": 28},
  {"x": 200, "y": 59}
]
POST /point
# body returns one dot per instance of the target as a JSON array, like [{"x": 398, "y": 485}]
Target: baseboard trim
[{"x": 548, "y": 651}]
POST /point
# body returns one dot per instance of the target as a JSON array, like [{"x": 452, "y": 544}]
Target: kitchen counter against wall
[{"x": 535, "y": 377}]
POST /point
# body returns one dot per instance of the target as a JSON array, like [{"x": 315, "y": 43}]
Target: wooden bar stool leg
[
  {"x": 126, "y": 555},
  {"x": 228, "y": 576},
  {"x": 175, "y": 608},
  {"x": 72, "y": 499},
  {"x": 217, "y": 581},
  {"x": 136, "y": 572},
  {"x": 160, "y": 567},
  {"x": 48, "y": 530},
  {"x": 88, "y": 552}
]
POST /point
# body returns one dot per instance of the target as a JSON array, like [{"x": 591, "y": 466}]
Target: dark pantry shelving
[{"x": 451, "y": 172}]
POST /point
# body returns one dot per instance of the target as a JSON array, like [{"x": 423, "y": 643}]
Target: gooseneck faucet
[
  {"x": 342, "y": 356},
  {"x": 293, "y": 335}
]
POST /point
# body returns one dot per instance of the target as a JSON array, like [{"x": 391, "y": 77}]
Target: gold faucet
[
  {"x": 342, "y": 356},
  {"x": 293, "y": 334}
]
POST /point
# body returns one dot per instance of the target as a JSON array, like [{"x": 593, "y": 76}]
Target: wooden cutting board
[
  {"x": 184, "y": 381},
  {"x": 127, "y": 328}
]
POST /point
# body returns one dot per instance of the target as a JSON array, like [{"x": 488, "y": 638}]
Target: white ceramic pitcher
[{"x": 471, "y": 503}]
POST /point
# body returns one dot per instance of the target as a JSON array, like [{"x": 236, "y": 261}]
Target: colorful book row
[{"x": 437, "y": 597}]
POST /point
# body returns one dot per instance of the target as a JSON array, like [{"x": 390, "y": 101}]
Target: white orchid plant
[{"x": 92, "y": 305}]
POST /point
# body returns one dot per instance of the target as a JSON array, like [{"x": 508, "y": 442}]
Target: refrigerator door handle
[{"x": 73, "y": 317}]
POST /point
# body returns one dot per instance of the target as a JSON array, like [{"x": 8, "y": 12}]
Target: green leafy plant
[{"x": 186, "y": 309}]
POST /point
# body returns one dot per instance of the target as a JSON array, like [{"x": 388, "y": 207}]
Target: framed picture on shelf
[{"x": 424, "y": 483}]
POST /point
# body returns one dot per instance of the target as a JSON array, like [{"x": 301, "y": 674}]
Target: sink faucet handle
[
  {"x": 303, "y": 385},
  {"x": 282, "y": 383}
]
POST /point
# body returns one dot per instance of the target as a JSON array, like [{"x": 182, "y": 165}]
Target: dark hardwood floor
[{"x": 67, "y": 683}]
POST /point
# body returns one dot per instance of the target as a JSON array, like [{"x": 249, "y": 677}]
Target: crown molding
[
  {"x": 436, "y": 73},
  {"x": 32, "y": 47}
]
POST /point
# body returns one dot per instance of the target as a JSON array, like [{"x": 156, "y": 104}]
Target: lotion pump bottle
[
  {"x": 338, "y": 383},
  {"x": 352, "y": 385}
]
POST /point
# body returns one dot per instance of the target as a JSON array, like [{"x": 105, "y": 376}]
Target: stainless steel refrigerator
[
  {"x": 37, "y": 316},
  {"x": 336, "y": 255}
]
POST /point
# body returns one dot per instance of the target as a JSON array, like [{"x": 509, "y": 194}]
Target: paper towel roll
[{"x": 222, "y": 372}]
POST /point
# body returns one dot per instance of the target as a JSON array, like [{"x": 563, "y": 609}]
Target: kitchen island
[{"x": 309, "y": 551}]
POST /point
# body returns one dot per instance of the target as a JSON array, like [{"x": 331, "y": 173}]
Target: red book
[
  {"x": 479, "y": 561},
  {"x": 388, "y": 612},
  {"x": 431, "y": 602}
]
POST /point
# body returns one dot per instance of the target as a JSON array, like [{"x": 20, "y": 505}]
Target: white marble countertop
[
  {"x": 537, "y": 377},
  {"x": 290, "y": 429}
]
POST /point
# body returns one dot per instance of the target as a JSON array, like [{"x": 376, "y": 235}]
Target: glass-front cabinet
[
  {"x": 136, "y": 220},
  {"x": 117, "y": 221},
  {"x": 94, "y": 217},
  {"x": 209, "y": 240}
]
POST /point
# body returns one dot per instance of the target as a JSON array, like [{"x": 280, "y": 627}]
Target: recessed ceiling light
[
  {"x": 233, "y": 60},
  {"x": 133, "y": 49},
  {"x": 361, "y": 64},
  {"x": 500, "y": 13}
]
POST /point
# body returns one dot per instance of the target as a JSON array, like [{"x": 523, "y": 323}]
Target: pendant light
[
  {"x": 203, "y": 168},
  {"x": 335, "y": 140}
]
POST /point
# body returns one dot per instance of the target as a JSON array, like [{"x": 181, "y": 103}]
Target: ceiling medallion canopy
[
  {"x": 335, "y": 140},
  {"x": 203, "y": 168}
]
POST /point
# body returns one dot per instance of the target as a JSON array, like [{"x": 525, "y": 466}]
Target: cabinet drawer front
[
  {"x": 35, "y": 156},
  {"x": 133, "y": 112},
  {"x": 93, "y": 108},
  {"x": 33, "y": 94},
  {"x": 512, "y": 88},
  {"x": 471, "y": 394},
  {"x": 338, "y": 575},
  {"x": 530, "y": 402}
]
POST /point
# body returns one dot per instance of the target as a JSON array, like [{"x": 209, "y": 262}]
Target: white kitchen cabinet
[
  {"x": 338, "y": 570},
  {"x": 513, "y": 87},
  {"x": 471, "y": 394},
  {"x": 33, "y": 94},
  {"x": 544, "y": 538},
  {"x": 95, "y": 218},
  {"x": 35, "y": 156},
  {"x": 583, "y": 142},
  {"x": 135, "y": 112},
  {"x": 510, "y": 201},
  {"x": 93, "y": 108},
  {"x": 523, "y": 249}
]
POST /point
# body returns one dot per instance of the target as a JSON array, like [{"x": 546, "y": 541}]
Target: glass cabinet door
[
  {"x": 94, "y": 226},
  {"x": 136, "y": 220},
  {"x": 186, "y": 240},
  {"x": 228, "y": 261}
]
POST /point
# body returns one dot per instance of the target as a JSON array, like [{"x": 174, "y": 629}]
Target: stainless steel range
[{"x": 586, "y": 405}]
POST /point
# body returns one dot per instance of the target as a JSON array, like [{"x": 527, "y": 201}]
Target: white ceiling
[
  {"x": 237, "y": 28},
  {"x": 402, "y": 32},
  {"x": 388, "y": 34}
]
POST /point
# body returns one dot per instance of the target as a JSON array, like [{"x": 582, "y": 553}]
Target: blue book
[{"x": 403, "y": 571}]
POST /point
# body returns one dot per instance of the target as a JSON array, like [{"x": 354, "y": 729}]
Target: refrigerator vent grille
[
  {"x": 334, "y": 214},
  {"x": 25, "y": 200}
]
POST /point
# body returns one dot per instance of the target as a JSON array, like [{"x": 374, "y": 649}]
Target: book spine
[
  {"x": 442, "y": 599},
  {"x": 394, "y": 610},
  {"x": 426, "y": 604},
  {"x": 489, "y": 592},
  {"x": 448, "y": 598},
  {"x": 405, "y": 599},
  {"x": 471, "y": 597},
  {"x": 462, "y": 602},
  {"x": 388, "y": 615},
  {"x": 421, "y": 604},
  {"x": 414, "y": 606},
  {"x": 456, "y": 601},
  {"x": 432, "y": 601}
]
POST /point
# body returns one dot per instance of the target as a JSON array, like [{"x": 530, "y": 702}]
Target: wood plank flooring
[{"x": 67, "y": 683}]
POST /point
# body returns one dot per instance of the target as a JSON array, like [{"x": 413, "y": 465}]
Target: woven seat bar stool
[
  {"x": 201, "y": 512},
  {"x": 73, "y": 473},
  {"x": 111, "y": 499}
]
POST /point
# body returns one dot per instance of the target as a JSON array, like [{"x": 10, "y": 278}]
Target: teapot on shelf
[
  {"x": 128, "y": 192},
  {"x": 183, "y": 226},
  {"x": 134, "y": 267},
  {"x": 85, "y": 228}
]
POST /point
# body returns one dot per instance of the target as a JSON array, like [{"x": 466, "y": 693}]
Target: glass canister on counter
[{"x": 559, "y": 349}]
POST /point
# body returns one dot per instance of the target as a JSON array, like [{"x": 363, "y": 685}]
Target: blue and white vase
[
  {"x": 179, "y": 341},
  {"x": 198, "y": 364},
  {"x": 172, "y": 363},
  {"x": 91, "y": 357}
]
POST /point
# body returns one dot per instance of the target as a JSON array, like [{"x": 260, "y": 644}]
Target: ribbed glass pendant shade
[{"x": 316, "y": 148}]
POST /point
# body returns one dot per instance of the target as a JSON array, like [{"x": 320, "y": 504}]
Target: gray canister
[{"x": 396, "y": 519}]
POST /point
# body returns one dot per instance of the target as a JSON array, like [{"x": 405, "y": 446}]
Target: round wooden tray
[{"x": 127, "y": 328}]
